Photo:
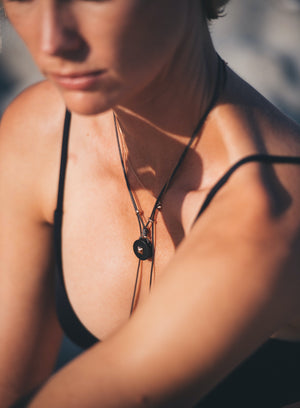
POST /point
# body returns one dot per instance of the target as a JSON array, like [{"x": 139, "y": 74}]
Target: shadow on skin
[
  {"x": 192, "y": 165},
  {"x": 172, "y": 206}
]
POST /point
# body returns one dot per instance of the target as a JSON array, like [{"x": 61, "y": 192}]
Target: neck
[{"x": 159, "y": 121}]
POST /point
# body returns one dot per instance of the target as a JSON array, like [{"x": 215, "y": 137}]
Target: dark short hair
[{"x": 214, "y": 8}]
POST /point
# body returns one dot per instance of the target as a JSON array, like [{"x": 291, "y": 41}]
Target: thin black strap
[
  {"x": 71, "y": 324},
  {"x": 58, "y": 213},
  {"x": 63, "y": 162},
  {"x": 263, "y": 158}
]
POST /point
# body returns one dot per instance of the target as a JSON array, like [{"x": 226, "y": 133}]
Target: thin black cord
[
  {"x": 221, "y": 75},
  {"x": 137, "y": 212},
  {"x": 135, "y": 286},
  {"x": 153, "y": 255}
]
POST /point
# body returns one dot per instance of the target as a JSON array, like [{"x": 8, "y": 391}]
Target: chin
[
  {"x": 88, "y": 103},
  {"x": 92, "y": 101}
]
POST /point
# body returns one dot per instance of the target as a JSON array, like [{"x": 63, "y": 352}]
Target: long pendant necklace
[{"x": 144, "y": 246}]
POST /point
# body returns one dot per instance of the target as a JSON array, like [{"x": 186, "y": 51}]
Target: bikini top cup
[
  {"x": 68, "y": 319},
  {"x": 270, "y": 378}
]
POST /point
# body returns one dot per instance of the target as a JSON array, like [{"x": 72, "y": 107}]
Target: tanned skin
[{"x": 222, "y": 287}]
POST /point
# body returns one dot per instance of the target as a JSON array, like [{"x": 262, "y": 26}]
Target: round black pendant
[{"x": 142, "y": 248}]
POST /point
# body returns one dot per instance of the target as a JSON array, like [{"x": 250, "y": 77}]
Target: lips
[{"x": 77, "y": 80}]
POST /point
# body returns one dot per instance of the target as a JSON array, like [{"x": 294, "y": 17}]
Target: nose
[{"x": 59, "y": 35}]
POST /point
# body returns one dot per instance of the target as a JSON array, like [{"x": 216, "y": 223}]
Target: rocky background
[{"x": 259, "y": 38}]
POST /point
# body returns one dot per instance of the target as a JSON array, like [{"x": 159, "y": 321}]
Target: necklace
[{"x": 144, "y": 246}]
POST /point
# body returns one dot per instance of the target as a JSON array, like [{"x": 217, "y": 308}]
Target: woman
[{"x": 145, "y": 94}]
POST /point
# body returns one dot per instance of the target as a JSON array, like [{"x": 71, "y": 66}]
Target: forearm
[
  {"x": 97, "y": 378},
  {"x": 118, "y": 373},
  {"x": 219, "y": 299}
]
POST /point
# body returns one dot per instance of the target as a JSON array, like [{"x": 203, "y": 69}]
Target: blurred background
[{"x": 260, "y": 39}]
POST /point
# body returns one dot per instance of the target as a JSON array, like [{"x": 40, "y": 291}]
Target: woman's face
[{"x": 99, "y": 53}]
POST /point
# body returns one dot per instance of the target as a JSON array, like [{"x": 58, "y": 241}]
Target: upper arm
[
  {"x": 30, "y": 335},
  {"x": 232, "y": 282}
]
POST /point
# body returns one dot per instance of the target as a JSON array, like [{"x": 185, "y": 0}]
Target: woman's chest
[{"x": 100, "y": 269}]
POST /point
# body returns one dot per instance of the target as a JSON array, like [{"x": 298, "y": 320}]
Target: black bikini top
[{"x": 272, "y": 372}]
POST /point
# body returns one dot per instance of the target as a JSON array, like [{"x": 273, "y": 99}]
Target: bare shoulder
[
  {"x": 260, "y": 200},
  {"x": 38, "y": 108},
  {"x": 271, "y": 130},
  {"x": 255, "y": 126},
  {"x": 30, "y": 139},
  {"x": 258, "y": 196}
]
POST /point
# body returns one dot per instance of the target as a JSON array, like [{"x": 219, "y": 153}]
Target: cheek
[
  {"x": 154, "y": 38},
  {"x": 138, "y": 41}
]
